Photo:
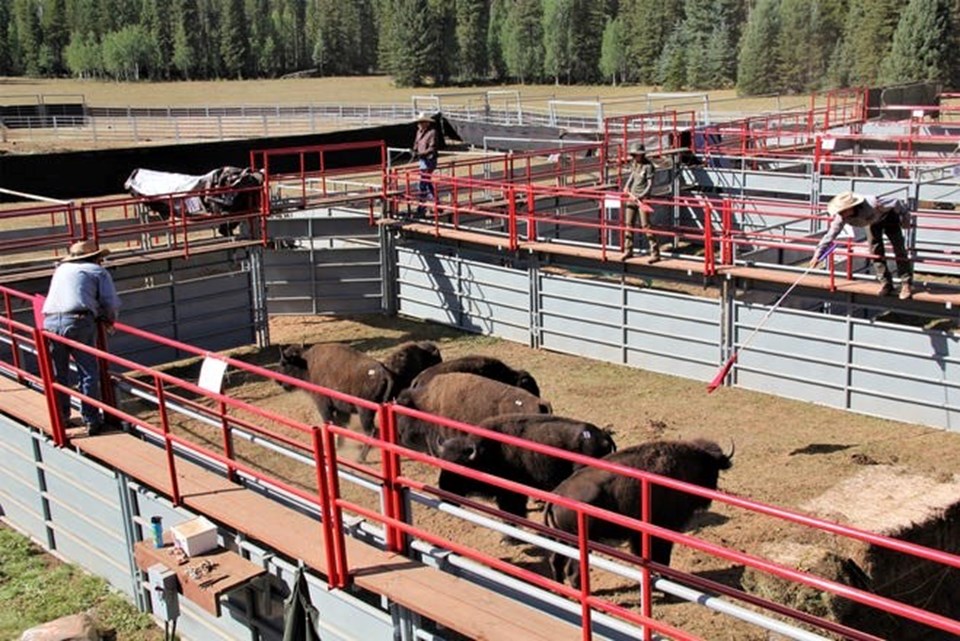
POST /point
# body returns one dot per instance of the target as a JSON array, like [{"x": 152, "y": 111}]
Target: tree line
[{"x": 757, "y": 46}]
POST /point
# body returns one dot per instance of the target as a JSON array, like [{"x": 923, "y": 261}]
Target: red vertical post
[
  {"x": 583, "y": 543},
  {"x": 531, "y": 211},
  {"x": 303, "y": 180},
  {"x": 167, "y": 442},
  {"x": 645, "y": 511},
  {"x": 227, "y": 440},
  {"x": 726, "y": 256},
  {"x": 512, "y": 217},
  {"x": 388, "y": 463},
  {"x": 47, "y": 374},
  {"x": 336, "y": 514},
  {"x": 709, "y": 259},
  {"x": 107, "y": 394},
  {"x": 323, "y": 502}
]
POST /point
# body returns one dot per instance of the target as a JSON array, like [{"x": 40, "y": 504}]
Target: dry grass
[{"x": 354, "y": 90}]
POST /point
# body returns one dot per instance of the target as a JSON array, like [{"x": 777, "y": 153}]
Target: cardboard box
[{"x": 196, "y": 536}]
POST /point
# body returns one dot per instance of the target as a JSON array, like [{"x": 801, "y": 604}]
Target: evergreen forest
[{"x": 757, "y": 46}]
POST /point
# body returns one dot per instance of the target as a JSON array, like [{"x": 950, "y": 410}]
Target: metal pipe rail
[{"x": 234, "y": 413}]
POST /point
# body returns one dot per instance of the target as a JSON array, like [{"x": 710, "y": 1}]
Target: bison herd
[{"x": 486, "y": 392}]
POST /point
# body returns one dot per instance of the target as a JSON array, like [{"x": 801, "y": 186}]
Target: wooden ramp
[{"x": 455, "y": 603}]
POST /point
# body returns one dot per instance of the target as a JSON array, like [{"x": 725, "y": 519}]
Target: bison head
[
  {"x": 461, "y": 450},
  {"x": 597, "y": 442},
  {"x": 409, "y": 360},
  {"x": 525, "y": 380},
  {"x": 724, "y": 461},
  {"x": 292, "y": 363}
]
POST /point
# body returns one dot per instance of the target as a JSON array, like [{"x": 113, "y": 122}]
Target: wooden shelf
[{"x": 229, "y": 571}]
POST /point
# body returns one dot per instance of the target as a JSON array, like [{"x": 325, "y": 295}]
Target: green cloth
[{"x": 299, "y": 615}]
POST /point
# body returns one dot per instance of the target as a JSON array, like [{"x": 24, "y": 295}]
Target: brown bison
[
  {"x": 486, "y": 366},
  {"x": 698, "y": 462},
  {"x": 516, "y": 463},
  {"x": 467, "y": 398},
  {"x": 344, "y": 369}
]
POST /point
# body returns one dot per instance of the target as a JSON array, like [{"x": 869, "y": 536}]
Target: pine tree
[
  {"x": 408, "y": 43},
  {"x": 648, "y": 23},
  {"x": 721, "y": 57},
  {"x": 6, "y": 64},
  {"x": 868, "y": 32},
  {"x": 186, "y": 48},
  {"x": 155, "y": 18},
  {"x": 672, "y": 65},
  {"x": 586, "y": 40},
  {"x": 557, "y": 36},
  {"x": 56, "y": 34},
  {"x": 472, "y": 21},
  {"x": 499, "y": 10},
  {"x": 444, "y": 30},
  {"x": 233, "y": 38},
  {"x": 28, "y": 35},
  {"x": 613, "y": 54},
  {"x": 799, "y": 47},
  {"x": 523, "y": 40},
  {"x": 921, "y": 44},
  {"x": 260, "y": 30},
  {"x": 757, "y": 68}
]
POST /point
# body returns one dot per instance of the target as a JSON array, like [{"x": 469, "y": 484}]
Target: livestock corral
[{"x": 826, "y": 524}]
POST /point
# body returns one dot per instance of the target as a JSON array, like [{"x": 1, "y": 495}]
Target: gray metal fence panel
[
  {"x": 20, "y": 501},
  {"x": 795, "y": 354},
  {"x": 672, "y": 333},
  {"x": 469, "y": 294},
  {"x": 905, "y": 372},
  {"x": 328, "y": 261}
]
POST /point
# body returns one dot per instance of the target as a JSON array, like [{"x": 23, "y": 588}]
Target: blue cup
[{"x": 156, "y": 524}]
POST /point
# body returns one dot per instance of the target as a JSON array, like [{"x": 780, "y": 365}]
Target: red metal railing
[
  {"x": 227, "y": 413},
  {"x": 314, "y": 174}
]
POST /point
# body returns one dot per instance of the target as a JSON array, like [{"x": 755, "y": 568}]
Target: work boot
[
  {"x": 886, "y": 289},
  {"x": 655, "y": 255},
  {"x": 906, "y": 291}
]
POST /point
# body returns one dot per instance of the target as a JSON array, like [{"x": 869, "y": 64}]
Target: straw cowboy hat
[
  {"x": 83, "y": 250},
  {"x": 843, "y": 201},
  {"x": 423, "y": 116},
  {"x": 636, "y": 148}
]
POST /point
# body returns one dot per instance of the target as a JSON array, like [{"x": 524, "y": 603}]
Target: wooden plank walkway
[
  {"x": 460, "y": 605},
  {"x": 934, "y": 293}
]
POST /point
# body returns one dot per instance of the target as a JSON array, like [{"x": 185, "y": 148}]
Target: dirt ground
[{"x": 788, "y": 453}]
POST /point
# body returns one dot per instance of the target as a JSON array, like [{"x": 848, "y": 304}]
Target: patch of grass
[{"x": 35, "y": 588}]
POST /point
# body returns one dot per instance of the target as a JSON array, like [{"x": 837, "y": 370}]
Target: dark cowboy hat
[
  {"x": 636, "y": 148},
  {"x": 83, "y": 250}
]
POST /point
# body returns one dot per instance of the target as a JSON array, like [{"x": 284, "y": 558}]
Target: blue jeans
[
  {"x": 82, "y": 329},
  {"x": 427, "y": 191}
]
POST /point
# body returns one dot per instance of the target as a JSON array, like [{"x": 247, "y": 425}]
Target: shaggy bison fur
[
  {"x": 698, "y": 462},
  {"x": 486, "y": 366},
  {"x": 467, "y": 398},
  {"x": 516, "y": 463},
  {"x": 344, "y": 369}
]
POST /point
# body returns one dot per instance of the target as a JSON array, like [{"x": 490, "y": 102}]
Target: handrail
[{"x": 319, "y": 440}]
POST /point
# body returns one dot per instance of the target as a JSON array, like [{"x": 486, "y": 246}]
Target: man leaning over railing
[
  {"x": 81, "y": 295},
  {"x": 880, "y": 216}
]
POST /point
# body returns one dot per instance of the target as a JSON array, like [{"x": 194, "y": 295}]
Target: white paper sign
[
  {"x": 611, "y": 203},
  {"x": 211, "y": 374},
  {"x": 828, "y": 144}
]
